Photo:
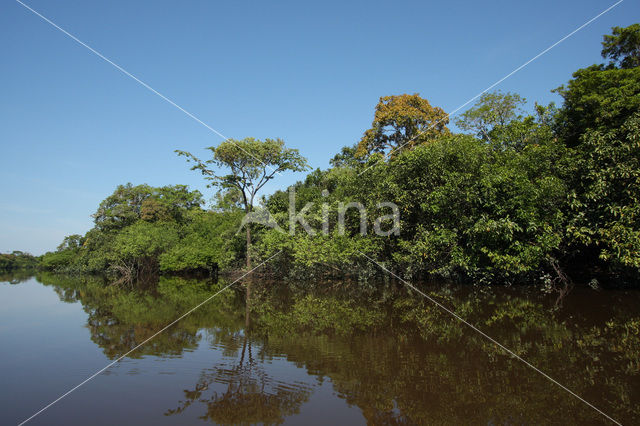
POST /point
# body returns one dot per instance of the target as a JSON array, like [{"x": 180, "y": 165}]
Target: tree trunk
[
  {"x": 248, "y": 278},
  {"x": 248, "y": 247}
]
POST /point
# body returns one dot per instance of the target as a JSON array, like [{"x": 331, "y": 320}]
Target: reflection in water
[
  {"x": 15, "y": 277},
  {"x": 397, "y": 358},
  {"x": 251, "y": 395}
]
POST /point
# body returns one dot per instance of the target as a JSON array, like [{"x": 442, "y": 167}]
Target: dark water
[{"x": 327, "y": 357}]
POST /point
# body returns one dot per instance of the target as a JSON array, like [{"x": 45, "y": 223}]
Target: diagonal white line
[
  {"x": 491, "y": 339},
  {"x": 501, "y": 80},
  {"x": 375, "y": 262},
  {"x": 142, "y": 83},
  {"x": 94, "y": 375}
]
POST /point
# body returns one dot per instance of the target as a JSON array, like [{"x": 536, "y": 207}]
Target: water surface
[{"x": 327, "y": 356}]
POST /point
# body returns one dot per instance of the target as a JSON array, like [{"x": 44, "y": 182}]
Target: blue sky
[{"x": 72, "y": 127}]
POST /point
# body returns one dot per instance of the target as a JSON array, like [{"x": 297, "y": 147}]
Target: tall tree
[
  {"x": 623, "y": 46},
  {"x": 597, "y": 98},
  {"x": 491, "y": 111},
  {"x": 400, "y": 123},
  {"x": 252, "y": 163},
  {"x": 599, "y": 121},
  {"x": 498, "y": 119},
  {"x": 603, "y": 97}
]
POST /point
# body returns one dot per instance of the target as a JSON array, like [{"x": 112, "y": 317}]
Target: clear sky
[{"x": 72, "y": 127}]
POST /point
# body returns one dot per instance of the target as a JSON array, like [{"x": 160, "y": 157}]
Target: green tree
[
  {"x": 128, "y": 203},
  {"x": 347, "y": 157},
  {"x": 128, "y": 234},
  {"x": 597, "y": 98},
  {"x": 469, "y": 211},
  {"x": 599, "y": 122},
  {"x": 622, "y": 47},
  {"x": 491, "y": 111},
  {"x": 71, "y": 242},
  {"x": 499, "y": 120},
  {"x": 139, "y": 246},
  {"x": 207, "y": 241},
  {"x": 253, "y": 163},
  {"x": 122, "y": 208},
  {"x": 603, "y": 97},
  {"x": 606, "y": 197}
]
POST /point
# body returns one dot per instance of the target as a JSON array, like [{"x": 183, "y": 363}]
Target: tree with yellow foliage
[{"x": 400, "y": 123}]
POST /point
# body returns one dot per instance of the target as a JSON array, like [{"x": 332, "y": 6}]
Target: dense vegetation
[
  {"x": 538, "y": 198},
  {"x": 140, "y": 230},
  {"x": 16, "y": 261}
]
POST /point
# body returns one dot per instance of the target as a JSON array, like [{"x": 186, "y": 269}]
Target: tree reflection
[
  {"x": 120, "y": 319},
  {"x": 16, "y": 277},
  {"x": 251, "y": 395},
  {"x": 400, "y": 360},
  {"x": 414, "y": 364}
]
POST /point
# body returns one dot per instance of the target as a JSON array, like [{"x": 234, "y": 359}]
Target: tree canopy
[
  {"x": 400, "y": 123},
  {"x": 128, "y": 203},
  {"x": 252, "y": 163},
  {"x": 622, "y": 46},
  {"x": 491, "y": 111},
  {"x": 537, "y": 195}
]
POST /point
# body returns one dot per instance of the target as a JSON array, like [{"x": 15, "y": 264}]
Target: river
[{"x": 337, "y": 354}]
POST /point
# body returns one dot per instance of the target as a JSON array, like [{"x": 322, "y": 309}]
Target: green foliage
[
  {"x": 58, "y": 260},
  {"x": 347, "y": 157},
  {"x": 144, "y": 239},
  {"x": 623, "y": 46},
  {"x": 252, "y": 163},
  {"x": 319, "y": 256},
  {"x": 71, "y": 242},
  {"x": 476, "y": 212},
  {"x": 145, "y": 229},
  {"x": 491, "y": 111},
  {"x": 597, "y": 98},
  {"x": 316, "y": 315},
  {"x": 209, "y": 239},
  {"x": 130, "y": 203},
  {"x": 522, "y": 199},
  {"x": 606, "y": 199},
  {"x": 17, "y": 260},
  {"x": 599, "y": 121},
  {"x": 492, "y": 211}
]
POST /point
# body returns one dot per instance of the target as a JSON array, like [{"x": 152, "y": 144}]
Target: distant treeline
[
  {"x": 538, "y": 198},
  {"x": 17, "y": 260}
]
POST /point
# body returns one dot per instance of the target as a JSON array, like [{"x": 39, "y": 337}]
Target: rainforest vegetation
[
  {"x": 540, "y": 197},
  {"x": 17, "y": 261}
]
